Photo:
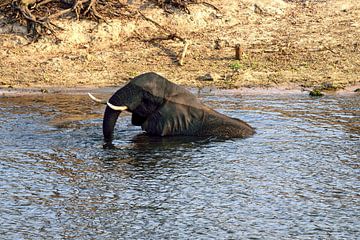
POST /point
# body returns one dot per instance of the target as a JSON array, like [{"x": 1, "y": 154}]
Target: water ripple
[{"x": 297, "y": 178}]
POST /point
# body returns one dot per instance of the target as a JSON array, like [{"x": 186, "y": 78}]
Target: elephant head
[{"x": 163, "y": 108}]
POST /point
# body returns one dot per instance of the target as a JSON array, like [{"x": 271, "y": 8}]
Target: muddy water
[{"x": 297, "y": 178}]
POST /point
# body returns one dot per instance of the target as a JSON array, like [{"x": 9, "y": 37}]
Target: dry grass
[{"x": 285, "y": 44}]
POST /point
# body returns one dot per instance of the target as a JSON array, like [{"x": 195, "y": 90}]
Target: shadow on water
[
  {"x": 296, "y": 178},
  {"x": 150, "y": 152}
]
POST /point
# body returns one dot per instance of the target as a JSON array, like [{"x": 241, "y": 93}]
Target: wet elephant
[{"x": 163, "y": 108}]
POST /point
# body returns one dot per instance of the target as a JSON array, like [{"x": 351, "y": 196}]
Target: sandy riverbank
[{"x": 286, "y": 45}]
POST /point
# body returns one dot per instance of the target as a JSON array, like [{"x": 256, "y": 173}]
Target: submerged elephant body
[{"x": 163, "y": 108}]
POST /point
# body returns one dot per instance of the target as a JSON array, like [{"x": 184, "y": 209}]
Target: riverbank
[
  {"x": 106, "y": 92},
  {"x": 285, "y": 45}
]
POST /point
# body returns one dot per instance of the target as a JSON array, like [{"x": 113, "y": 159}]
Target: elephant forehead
[{"x": 152, "y": 83}]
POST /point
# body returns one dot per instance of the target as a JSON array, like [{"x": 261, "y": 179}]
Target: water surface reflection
[{"x": 297, "y": 178}]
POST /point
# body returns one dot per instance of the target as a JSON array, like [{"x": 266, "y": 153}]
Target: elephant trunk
[
  {"x": 109, "y": 121},
  {"x": 119, "y": 101}
]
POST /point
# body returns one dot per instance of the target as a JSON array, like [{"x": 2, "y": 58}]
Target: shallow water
[{"x": 297, "y": 178}]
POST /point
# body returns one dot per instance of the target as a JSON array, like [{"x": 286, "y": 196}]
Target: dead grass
[{"x": 285, "y": 44}]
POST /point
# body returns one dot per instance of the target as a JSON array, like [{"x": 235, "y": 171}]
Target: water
[{"x": 297, "y": 178}]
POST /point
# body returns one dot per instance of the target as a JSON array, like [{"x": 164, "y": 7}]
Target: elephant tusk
[
  {"x": 117, "y": 108},
  {"x": 96, "y": 99}
]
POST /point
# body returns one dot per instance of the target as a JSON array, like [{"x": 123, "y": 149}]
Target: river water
[{"x": 296, "y": 178}]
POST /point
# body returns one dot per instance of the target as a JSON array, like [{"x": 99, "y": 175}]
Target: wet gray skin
[{"x": 297, "y": 178}]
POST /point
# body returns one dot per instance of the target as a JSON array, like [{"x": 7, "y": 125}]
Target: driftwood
[{"x": 186, "y": 45}]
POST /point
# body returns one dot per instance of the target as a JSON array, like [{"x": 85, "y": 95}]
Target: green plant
[
  {"x": 246, "y": 62},
  {"x": 133, "y": 74},
  {"x": 236, "y": 65},
  {"x": 316, "y": 93}
]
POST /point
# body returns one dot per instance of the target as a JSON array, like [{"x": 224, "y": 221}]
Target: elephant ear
[
  {"x": 181, "y": 114},
  {"x": 174, "y": 119}
]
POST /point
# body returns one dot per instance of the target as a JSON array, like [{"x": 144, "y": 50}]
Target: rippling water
[{"x": 297, "y": 178}]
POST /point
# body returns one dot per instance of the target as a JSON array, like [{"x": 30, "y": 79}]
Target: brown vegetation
[{"x": 100, "y": 43}]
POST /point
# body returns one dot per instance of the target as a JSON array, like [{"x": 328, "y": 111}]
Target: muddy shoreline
[{"x": 107, "y": 91}]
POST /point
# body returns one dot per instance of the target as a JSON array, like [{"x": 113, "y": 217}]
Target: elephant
[{"x": 163, "y": 108}]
